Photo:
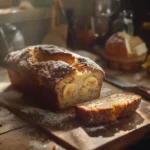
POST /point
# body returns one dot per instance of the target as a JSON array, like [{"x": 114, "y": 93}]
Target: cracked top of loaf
[{"x": 47, "y": 64}]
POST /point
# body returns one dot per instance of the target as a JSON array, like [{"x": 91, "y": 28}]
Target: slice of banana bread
[{"x": 107, "y": 109}]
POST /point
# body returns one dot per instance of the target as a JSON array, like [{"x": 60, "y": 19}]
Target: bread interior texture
[{"x": 81, "y": 85}]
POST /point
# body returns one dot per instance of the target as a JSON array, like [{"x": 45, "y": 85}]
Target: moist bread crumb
[{"x": 107, "y": 109}]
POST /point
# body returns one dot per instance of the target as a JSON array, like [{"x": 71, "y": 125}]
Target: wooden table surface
[{"x": 15, "y": 134}]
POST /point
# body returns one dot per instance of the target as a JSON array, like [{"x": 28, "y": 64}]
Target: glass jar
[
  {"x": 104, "y": 12},
  {"x": 124, "y": 22}
]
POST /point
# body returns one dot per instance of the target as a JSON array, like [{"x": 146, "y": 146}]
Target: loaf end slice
[{"x": 107, "y": 109}]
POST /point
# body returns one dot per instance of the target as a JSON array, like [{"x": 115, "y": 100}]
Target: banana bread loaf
[
  {"x": 107, "y": 109},
  {"x": 56, "y": 75}
]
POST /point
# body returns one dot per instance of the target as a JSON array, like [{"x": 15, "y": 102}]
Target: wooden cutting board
[{"x": 68, "y": 131}]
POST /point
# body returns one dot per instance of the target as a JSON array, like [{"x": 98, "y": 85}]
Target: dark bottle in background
[
  {"x": 105, "y": 12},
  {"x": 141, "y": 12},
  {"x": 72, "y": 25}
]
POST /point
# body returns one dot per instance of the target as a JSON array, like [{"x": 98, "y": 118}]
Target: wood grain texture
[
  {"x": 67, "y": 129},
  {"x": 9, "y": 122},
  {"x": 26, "y": 139}
]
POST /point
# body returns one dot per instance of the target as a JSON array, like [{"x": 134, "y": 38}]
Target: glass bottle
[
  {"x": 124, "y": 22},
  {"x": 104, "y": 12}
]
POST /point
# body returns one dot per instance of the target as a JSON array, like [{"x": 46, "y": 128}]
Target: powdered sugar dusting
[
  {"x": 48, "y": 118},
  {"x": 64, "y": 119},
  {"x": 96, "y": 128}
]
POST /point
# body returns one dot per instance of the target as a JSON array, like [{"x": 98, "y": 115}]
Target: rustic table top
[{"x": 15, "y": 134}]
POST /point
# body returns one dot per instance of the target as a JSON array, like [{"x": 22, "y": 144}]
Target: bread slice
[
  {"x": 58, "y": 76},
  {"x": 107, "y": 109}
]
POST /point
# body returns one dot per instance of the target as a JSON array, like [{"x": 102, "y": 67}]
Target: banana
[
  {"x": 83, "y": 91},
  {"x": 90, "y": 82},
  {"x": 69, "y": 90},
  {"x": 79, "y": 75},
  {"x": 147, "y": 63}
]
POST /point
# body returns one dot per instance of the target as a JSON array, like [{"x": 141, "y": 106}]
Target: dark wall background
[{"x": 141, "y": 10}]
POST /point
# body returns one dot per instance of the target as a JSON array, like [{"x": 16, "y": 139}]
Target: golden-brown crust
[
  {"x": 45, "y": 66},
  {"x": 38, "y": 92},
  {"x": 116, "y": 46},
  {"x": 92, "y": 116},
  {"x": 130, "y": 109},
  {"x": 51, "y": 72},
  {"x": 23, "y": 58},
  {"x": 22, "y": 62}
]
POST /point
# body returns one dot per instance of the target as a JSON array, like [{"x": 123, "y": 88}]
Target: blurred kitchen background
[{"x": 76, "y": 24}]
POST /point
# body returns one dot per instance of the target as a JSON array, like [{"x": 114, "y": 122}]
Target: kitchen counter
[{"x": 17, "y": 134}]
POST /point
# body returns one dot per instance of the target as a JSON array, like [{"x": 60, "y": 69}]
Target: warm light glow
[{"x": 4, "y": 85}]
